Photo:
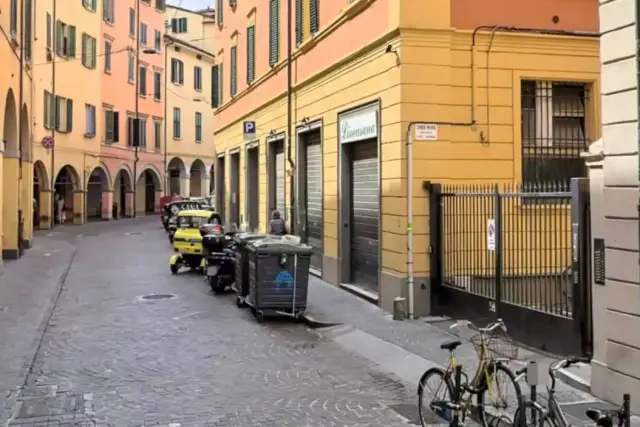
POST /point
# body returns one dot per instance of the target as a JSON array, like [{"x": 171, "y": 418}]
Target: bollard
[
  {"x": 399, "y": 308},
  {"x": 626, "y": 409}
]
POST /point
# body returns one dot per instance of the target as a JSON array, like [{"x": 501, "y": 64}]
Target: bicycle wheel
[
  {"x": 501, "y": 397},
  {"x": 435, "y": 390},
  {"x": 535, "y": 416}
]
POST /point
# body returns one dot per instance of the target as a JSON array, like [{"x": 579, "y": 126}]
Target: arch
[
  {"x": 154, "y": 173},
  {"x": 123, "y": 177},
  {"x": 197, "y": 172},
  {"x": 122, "y": 191},
  {"x": 25, "y": 134},
  {"x": 68, "y": 175},
  {"x": 176, "y": 171},
  {"x": 177, "y": 164},
  {"x": 40, "y": 175},
  {"x": 100, "y": 176},
  {"x": 148, "y": 187},
  {"x": 10, "y": 131},
  {"x": 66, "y": 184},
  {"x": 41, "y": 185},
  {"x": 98, "y": 183}
]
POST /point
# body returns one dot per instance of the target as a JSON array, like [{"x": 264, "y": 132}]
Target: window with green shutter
[
  {"x": 251, "y": 54},
  {"x": 215, "y": 86},
  {"x": 274, "y": 28},
  {"x": 299, "y": 22},
  {"x": 314, "y": 23},
  {"x": 63, "y": 114},
  {"x": 65, "y": 40},
  {"x": 28, "y": 12},
  {"x": 221, "y": 84},
  {"x": 88, "y": 51},
  {"x": 219, "y": 11},
  {"x": 233, "y": 64}
]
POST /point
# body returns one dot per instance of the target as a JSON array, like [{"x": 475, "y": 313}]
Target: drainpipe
[
  {"x": 292, "y": 197},
  {"x": 136, "y": 121},
  {"x": 54, "y": 46},
  {"x": 20, "y": 124},
  {"x": 167, "y": 178},
  {"x": 471, "y": 122}
]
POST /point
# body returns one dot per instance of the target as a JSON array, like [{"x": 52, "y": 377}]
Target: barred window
[{"x": 554, "y": 131}]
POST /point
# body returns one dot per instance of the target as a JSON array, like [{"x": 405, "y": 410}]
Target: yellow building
[
  {"x": 189, "y": 125},
  {"x": 361, "y": 72},
  {"x": 17, "y": 56},
  {"x": 66, "y": 81}
]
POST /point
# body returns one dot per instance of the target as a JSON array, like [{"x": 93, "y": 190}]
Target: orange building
[{"x": 361, "y": 71}]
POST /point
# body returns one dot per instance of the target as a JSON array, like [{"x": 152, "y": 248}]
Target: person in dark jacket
[{"x": 277, "y": 226}]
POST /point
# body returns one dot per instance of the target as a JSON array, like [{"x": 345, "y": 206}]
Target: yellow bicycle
[{"x": 494, "y": 350}]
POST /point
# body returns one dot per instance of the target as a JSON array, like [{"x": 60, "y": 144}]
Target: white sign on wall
[
  {"x": 359, "y": 125},
  {"x": 426, "y": 132},
  {"x": 491, "y": 234}
]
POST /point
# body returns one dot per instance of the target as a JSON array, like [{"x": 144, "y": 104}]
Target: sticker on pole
[
  {"x": 249, "y": 130},
  {"x": 426, "y": 132},
  {"x": 491, "y": 234}
]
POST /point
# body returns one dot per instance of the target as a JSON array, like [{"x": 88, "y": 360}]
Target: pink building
[{"x": 131, "y": 31}]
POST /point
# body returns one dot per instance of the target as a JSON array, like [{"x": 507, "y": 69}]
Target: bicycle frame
[
  {"x": 482, "y": 372},
  {"x": 551, "y": 412}
]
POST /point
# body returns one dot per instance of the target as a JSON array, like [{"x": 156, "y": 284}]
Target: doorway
[
  {"x": 221, "y": 188},
  {"x": 276, "y": 177},
  {"x": 252, "y": 187},
  {"x": 234, "y": 190}
]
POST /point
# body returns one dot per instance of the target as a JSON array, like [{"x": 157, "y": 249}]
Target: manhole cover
[{"x": 153, "y": 297}]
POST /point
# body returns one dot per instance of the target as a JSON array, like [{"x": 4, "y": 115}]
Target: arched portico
[
  {"x": 178, "y": 177},
  {"x": 198, "y": 179},
  {"x": 69, "y": 197},
  {"x": 148, "y": 191},
  {"x": 123, "y": 192},
  {"x": 99, "y": 195},
  {"x": 27, "y": 204},
  {"x": 11, "y": 233},
  {"x": 42, "y": 196}
]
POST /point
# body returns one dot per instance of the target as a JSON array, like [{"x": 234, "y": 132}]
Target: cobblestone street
[{"x": 108, "y": 357}]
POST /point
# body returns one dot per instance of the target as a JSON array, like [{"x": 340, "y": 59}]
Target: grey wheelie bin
[
  {"x": 278, "y": 277},
  {"x": 241, "y": 283}
]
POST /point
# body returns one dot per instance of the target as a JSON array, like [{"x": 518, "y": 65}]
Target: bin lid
[
  {"x": 278, "y": 245},
  {"x": 247, "y": 237}
]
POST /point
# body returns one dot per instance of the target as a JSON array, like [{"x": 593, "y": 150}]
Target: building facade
[
  {"x": 16, "y": 102},
  {"x": 361, "y": 72},
  {"x": 189, "y": 133},
  {"x": 614, "y": 206}
]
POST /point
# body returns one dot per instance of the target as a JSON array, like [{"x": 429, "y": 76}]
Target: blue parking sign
[{"x": 249, "y": 130}]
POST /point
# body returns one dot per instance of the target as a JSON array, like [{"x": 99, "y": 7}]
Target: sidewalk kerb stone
[{"x": 573, "y": 380}]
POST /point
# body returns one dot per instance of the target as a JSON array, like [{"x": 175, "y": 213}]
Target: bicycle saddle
[
  {"x": 450, "y": 345},
  {"x": 599, "y": 417}
]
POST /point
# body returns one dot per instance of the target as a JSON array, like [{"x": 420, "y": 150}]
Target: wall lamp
[
  {"x": 305, "y": 121},
  {"x": 390, "y": 49},
  {"x": 272, "y": 132}
]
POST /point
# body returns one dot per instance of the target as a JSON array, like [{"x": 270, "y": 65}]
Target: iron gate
[{"x": 517, "y": 253}]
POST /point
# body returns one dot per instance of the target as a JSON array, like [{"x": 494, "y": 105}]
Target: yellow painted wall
[{"x": 198, "y": 33}]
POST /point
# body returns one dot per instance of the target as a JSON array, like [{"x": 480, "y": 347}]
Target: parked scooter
[{"x": 220, "y": 256}]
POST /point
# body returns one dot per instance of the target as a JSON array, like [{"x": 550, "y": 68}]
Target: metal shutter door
[
  {"x": 314, "y": 198},
  {"x": 279, "y": 159},
  {"x": 364, "y": 214}
]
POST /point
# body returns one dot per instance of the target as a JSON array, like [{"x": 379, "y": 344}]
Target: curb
[
  {"x": 315, "y": 323},
  {"x": 573, "y": 380}
]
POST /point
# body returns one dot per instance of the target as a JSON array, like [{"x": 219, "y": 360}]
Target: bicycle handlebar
[
  {"x": 489, "y": 328},
  {"x": 565, "y": 363}
]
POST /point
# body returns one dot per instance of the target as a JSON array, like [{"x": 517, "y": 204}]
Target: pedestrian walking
[
  {"x": 60, "y": 206},
  {"x": 277, "y": 225}
]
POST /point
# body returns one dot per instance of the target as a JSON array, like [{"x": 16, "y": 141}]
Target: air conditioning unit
[{"x": 233, "y": 4}]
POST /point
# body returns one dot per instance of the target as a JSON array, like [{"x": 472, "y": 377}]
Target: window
[
  {"x": 88, "y": 51},
  {"x": 233, "y": 84},
  {"x": 198, "y": 127},
  {"x": 219, "y": 11},
  {"x": 274, "y": 28},
  {"x": 89, "y": 120},
  {"x": 314, "y": 23},
  {"x": 65, "y": 40},
  {"x": 197, "y": 78},
  {"x": 13, "y": 18},
  {"x": 157, "y": 40},
  {"x": 142, "y": 132},
  {"x": 111, "y": 126},
  {"x": 177, "y": 71},
  {"x": 49, "y": 32},
  {"x": 64, "y": 114},
  {"x": 251, "y": 54},
  {"x": 108, "y": 11},
  {"x": 176, "y": 123},
  {"x": 160, "y": 5},
  {"x": 131, "y": 68},
  {"x": 89, "y": 4},
  {"x": 49, "y": 108},
  {"x": 553, "y": 130},
  {"x": 299, "y": 22},
  {"x": 28, "y": 12},
  {"x": 215, "y": 86},
  {"x": 156, "y": 85},
  {"x": 179, "y": 25},
  {"x": 107, "y": 56},
  {"x": 132, "y": 22},
  {"x": 157, "y": 134},
  {"x": 142, "y": 85},
  {"x": 143, "y": 34}
]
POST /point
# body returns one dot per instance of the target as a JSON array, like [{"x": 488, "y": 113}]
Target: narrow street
[{"x": 110, "y": 357}]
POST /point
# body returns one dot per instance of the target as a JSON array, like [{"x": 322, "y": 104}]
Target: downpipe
[{"x": 292, "y": 166}]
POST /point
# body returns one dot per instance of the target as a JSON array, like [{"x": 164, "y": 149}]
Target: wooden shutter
[
  {"x": 299, "y": 22},
  {"x": 313, "y": 16},
  {"x": 72, "y": 41},
  {"x": 116, "y": 126},
  {"x": 69, "y": 115},
  {"x": 219, "y": 9},
  {"x": 251, "y": 54},
  {"x": 234, "y": 71},
  {"x": 47, "y": 110},
  {"x": 93, "y": 52},
  {"x": 59, "y": 38},
  {"x": 215, "y": 86},
  {"x": 274, "y": 28}
]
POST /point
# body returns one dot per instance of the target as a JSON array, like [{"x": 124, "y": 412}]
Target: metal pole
[
  {"x": 136, "y": 127},
  {"x": 54, "y": 112},
  {"x": 166, "y": 133},
  {"x": 410, "y": 223},
  {"x": 292, "y": 197}
]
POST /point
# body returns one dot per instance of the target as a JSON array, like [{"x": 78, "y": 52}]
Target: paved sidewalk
[{"x": 408, "y": 347}]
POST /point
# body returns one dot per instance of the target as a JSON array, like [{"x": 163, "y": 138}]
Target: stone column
[
  {"x": 107, "y": 205},
  {"x": 78, "y": 207},
  {"x": 205, "y": 182},
  {"x": 128, "y": 209},
  {"x": 185, "y": 186},
  {"x": 27, "y": 203},
  {"x": 10, "y": 203},
  {"x": 44, "y": 209},
  {"x": 156, "y": 205}
]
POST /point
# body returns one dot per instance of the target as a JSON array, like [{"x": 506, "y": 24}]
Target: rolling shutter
[{"x": 313, "y": 162}]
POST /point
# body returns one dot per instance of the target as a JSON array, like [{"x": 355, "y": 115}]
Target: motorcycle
[{"x": 220, "y": 258}]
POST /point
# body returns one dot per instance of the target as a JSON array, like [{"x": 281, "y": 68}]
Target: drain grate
[{"x": 153, "y": 297}]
